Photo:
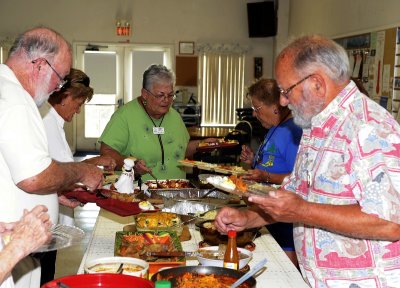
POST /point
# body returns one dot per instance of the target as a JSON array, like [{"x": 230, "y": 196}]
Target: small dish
[
  {"x": 130, "y": 266},
  {"x": 217, "y": 261}
]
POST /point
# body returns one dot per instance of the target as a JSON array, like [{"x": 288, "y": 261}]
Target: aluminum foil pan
[
  {"x": 192, "y": 193},
  {"x": 187, "y": 207}
]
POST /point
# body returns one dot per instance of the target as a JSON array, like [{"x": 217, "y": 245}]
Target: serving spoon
[
  {"x": 251, "y": 272},
  {"x": 155, "y": 178},
  {"x": 120, "y": 269}
]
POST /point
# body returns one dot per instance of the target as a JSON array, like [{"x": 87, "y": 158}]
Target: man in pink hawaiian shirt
[{"x": 346, "y": 178}]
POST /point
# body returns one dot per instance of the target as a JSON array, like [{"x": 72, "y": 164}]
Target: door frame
[{"x": 124, "y": 88}]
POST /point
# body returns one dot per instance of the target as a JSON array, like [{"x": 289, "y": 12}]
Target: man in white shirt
[{"x": 37, "y": 64}]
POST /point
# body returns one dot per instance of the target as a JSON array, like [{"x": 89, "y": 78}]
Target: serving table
[{"x": 280, "y": 272}]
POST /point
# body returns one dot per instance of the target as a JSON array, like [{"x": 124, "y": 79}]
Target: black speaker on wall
[{"x": 262, "y": 19}]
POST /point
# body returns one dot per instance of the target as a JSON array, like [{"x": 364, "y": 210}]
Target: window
[{"x": 221, "y": 84}]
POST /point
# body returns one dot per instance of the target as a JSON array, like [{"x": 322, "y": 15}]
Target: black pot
[
  {"x": 173, "y": 273},
  {"x": 214, "y": 238}
]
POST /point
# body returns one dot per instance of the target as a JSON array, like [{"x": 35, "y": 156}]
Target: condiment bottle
[
  {"x": 125, "y": 181},
  {"x": 163, "y": 284},
  {"x": 231, "y": 257}
]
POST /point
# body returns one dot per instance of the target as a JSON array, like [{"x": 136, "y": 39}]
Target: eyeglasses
[
  {"x": 255, "y": 109},
  {"x": 62, "y": 81},
  {"x": 162, "y": 96},
  {"x": 286, "y": 92}
]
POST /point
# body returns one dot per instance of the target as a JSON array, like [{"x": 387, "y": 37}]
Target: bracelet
[{"x": 268, "y": 177}]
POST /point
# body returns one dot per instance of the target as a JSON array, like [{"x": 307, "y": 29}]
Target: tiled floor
[{"x": 69, "y": 259}]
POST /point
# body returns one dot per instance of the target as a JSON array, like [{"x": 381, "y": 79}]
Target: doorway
[{"x": 115, "y": 72}]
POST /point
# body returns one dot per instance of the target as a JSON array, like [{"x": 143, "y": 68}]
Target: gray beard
[
  {"x": 306, "y": 110},
  {"x": 39, "y": 100},
  {"x": 41, "y": 94},
  {"x": 300, "y": 119}
]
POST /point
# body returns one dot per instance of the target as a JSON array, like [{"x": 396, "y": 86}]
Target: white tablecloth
[{"x": 280, "y": 272}]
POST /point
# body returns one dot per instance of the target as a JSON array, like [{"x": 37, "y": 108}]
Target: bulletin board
[
  {"x": 374, "y": 53},
  {"x": 186, "y": 70}
]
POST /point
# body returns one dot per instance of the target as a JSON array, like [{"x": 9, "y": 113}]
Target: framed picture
[
  {"x": 186, "y": 47},
  {"x": 396, "y": 83},
  {"x": 258, "y": 67}
]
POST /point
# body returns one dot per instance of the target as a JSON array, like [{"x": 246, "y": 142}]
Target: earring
[
  {"x": 144, "y": 102},
  {"x": 62, "y": 104}
]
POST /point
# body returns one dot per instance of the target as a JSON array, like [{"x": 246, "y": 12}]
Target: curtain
[{"x": 221, "y": 83}]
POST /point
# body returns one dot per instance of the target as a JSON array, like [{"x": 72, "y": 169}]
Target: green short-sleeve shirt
[{"x": 130, "y": 132}]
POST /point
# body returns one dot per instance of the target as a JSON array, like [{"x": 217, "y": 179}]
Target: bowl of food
[
  {"x": 159, "y": 221},
  {"x": 212, "y": 236},
  {"x": 202, "y": 276},
  {"x": 118, "y": 265},
  {"x": 213, "y": 256}
]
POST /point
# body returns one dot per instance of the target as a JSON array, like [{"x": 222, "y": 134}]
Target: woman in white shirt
[{"x": 61, "y": 107}]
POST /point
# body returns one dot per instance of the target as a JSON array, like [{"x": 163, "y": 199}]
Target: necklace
[
  {"x": 158, "y": 136},
  {"x": 258, "y": 159}
]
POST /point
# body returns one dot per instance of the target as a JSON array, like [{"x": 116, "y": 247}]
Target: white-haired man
[
  {"x": 37, "y": 64},
  {"x": 343, "y": 194}
]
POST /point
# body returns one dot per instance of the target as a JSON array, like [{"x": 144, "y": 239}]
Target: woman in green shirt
[{"x": 148, "y": 129}]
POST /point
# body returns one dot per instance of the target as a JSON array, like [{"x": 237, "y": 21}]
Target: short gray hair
[
  {"x": 38, "y": 42},
  {"x": 156, "y": 73},
  {"x": 311, "y": 52}
]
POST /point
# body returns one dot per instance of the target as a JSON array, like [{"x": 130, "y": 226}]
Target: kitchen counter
[{"x": 280, "y": 272}]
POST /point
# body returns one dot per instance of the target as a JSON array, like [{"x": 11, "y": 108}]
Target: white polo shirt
[
  {"x": 23, "y": 149},
  {"x": 59, "y": 150}
]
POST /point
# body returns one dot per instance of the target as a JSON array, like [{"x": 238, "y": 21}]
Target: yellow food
[{"x": 157, "y": 220}]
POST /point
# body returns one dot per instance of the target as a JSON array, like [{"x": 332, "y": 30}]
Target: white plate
[
  {"x": 63, "y": 236},
  {"x": 253, "y": 188}
]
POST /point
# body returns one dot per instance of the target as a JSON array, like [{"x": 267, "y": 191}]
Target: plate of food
[
  {"x": 236, "y": 185},
  {"x": 230, "y": 169},
  {"x": 198, "y": 164},
  {"x": 224, "y": 169},
  {"x": 220, "y": 143}
]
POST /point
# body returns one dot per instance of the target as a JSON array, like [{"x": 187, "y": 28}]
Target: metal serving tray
[
  {"x": 190, "y": 193},
  {"x": 187, "y": 207}
]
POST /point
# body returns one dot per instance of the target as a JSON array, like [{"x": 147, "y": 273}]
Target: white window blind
[{"x": 221, "y": 84}]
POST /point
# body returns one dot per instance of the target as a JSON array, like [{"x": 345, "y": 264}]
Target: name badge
[{"x": 158, "y": 130}]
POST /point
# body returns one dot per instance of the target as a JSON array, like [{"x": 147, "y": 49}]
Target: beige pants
[{"x": 26, "y": 273}]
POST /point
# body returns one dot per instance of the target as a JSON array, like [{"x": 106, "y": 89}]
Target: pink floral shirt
[{"x": 350, "y": 155}]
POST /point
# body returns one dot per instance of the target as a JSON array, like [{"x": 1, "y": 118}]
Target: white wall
[
  {"x": 153, "y": 21},
  {"x": 336, "y": 18}
]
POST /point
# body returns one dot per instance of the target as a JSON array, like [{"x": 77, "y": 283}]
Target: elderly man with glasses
[
  {"x": 38, "y": 61},
  {"x": 343, "y": 194}
]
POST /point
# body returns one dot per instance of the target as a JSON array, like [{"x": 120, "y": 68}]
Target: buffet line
[{"x": 168, "y": 228}]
